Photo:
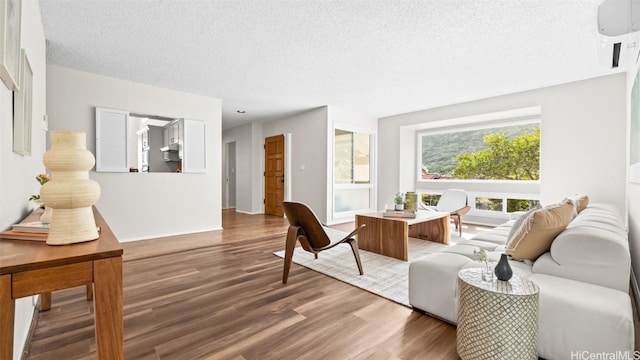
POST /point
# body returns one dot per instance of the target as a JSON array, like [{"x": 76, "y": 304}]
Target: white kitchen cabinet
[
  {"x": 111, "y": 140},
  {"x": 194, "y": 146}
]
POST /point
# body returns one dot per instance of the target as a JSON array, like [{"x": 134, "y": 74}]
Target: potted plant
[
  {"x": 48, "y": 211},
  {"x": 399, "y": 201}
]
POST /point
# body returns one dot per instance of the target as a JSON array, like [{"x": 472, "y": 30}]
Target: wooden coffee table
[{"x": 389, "y": 236}]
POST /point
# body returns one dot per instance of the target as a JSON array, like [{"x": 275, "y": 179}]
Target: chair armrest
[
  {"x": 355, "y": 231},
  {"x": 462, "y": 211}
]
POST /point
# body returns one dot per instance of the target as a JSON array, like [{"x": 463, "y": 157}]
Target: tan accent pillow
[
  {"x": 517, "y": 224},
  {"x": 581, "y": 203},
  {"x": 538, "y": 230}
]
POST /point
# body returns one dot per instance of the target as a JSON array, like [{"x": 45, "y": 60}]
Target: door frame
[
  {"x": 288, "y": 181},
  {"x": 227, "y": 175}
]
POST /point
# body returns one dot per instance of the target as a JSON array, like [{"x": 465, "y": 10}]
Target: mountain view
[{"x": 440, "y": 150}]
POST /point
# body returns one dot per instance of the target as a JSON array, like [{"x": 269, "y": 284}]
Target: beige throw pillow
[
  {"x": 517, "y": 224},
  {"x": 581, "y": 203},
  {"x": 538, "y": 230}
]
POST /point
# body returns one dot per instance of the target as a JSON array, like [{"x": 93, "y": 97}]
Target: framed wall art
[
  {"x": 10, "y": 12},
  {"x": 22, "y": 107}
]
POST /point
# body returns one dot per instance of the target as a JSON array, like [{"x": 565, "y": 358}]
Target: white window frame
[
  {"x": 472, "y": 195},
  {"x": 372, "y": 173}
]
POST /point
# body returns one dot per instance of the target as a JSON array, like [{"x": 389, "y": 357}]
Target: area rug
[{"x": 383, "y": 275}]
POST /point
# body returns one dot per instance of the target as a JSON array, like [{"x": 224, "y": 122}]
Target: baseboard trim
[
  {"x": 157, "y": 236},
  {"x": 249, "y": 212}
]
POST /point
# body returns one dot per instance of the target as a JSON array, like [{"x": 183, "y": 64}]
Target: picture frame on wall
[
  {"x": 10, "y": 14},
  {"x": 22, "y": 108}
]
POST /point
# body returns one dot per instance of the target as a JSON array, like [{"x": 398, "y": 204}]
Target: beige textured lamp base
[
  {"x": 71, "y": 193},
  {"x": 72, "y": 226}
]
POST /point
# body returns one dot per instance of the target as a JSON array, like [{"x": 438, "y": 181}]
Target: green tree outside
[{"x": 502, "y": 159}]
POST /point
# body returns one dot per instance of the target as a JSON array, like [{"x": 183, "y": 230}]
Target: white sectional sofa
[{"x": 584, "y": 302}]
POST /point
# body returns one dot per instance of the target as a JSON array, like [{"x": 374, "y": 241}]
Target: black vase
[{"x": 503, "y": 269}]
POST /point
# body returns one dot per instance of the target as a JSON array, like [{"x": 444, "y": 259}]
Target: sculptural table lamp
[{"x": 70, "y": 192}]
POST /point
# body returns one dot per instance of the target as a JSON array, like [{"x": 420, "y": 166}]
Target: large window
[
  {"x": 352, "y": 154},
  {"x": 353, "y": 188},
  {"x": 499, "y": 152}
]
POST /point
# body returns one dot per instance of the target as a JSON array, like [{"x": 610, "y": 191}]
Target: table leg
[
  {"x": 369, "y": 237},
  {"x": 45, "y": 301},
  {"x": 107, "y": 280},
  {"x": 89, "y": 291},
  {"x": 7, "y": 309},
  {"x": 436, "y": 230}
]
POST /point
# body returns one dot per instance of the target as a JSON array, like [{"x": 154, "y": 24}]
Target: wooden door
[{"x": 274, "y": 175}]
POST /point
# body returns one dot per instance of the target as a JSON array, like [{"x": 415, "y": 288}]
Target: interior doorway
[
  {"x": 230, "y": 175},
  {"x": 274, "y": 181}
]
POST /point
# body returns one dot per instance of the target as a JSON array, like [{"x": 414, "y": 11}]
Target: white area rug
[{"x": 383, "y": 275}]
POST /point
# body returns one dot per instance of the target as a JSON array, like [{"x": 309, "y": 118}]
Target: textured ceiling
[{"x": 380, "y": 58}]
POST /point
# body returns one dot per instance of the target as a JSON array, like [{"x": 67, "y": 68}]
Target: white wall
[
  {"x": 17, "y": 173},
  {"x": 257, "y": 168},
  {"x": 242, "y": 135},
  {"x": 309, "y": 151},
  {"x": 139, "y": 205},
  {"x": 583, "y": 129},
  {"x": 249, "y": 163}
]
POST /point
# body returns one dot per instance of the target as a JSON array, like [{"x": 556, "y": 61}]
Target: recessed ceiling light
[{"x": 240, "y": 111}]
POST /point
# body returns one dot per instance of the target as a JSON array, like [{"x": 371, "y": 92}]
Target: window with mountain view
[{"x": 500, "y": 153}]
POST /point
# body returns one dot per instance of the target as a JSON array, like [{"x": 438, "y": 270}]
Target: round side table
[{"x": 496, "y": 319}]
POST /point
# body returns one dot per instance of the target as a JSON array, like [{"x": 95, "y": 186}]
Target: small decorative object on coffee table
[
  {"x": 398, "y": 200},
  {"x": 498, "y": 319},
  {"x": 411, "y": 201}
]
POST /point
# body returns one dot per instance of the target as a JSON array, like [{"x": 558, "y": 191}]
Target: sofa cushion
[
  {"x": 433, "y": 283},
  {"x": 497, "y": 235},
  {"x": 517, "y": 224},
  {"x": 535, "y": 235},
  {"x": 487, "y": 245},
  {"x": 594, "y": 248},
  {"x": 575, "y": 316}
]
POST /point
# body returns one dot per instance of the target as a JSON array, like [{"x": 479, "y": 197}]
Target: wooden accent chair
[
  {"x": 453, "y": 201},
  {"x": 314, "y": 237}
]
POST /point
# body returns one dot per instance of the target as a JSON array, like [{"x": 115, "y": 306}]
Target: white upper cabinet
[
  {"x": 111, "y": 140},
  {"x": 193, "y": 146}
]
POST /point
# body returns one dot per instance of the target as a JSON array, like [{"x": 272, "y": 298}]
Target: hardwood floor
[{"x": 218, "y": 295}]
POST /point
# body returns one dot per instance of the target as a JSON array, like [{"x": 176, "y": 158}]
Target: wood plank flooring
[{"x": 219, "y": 295}]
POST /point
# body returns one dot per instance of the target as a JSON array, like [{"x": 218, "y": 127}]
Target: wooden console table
[{"x": 32, "y": 267}]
